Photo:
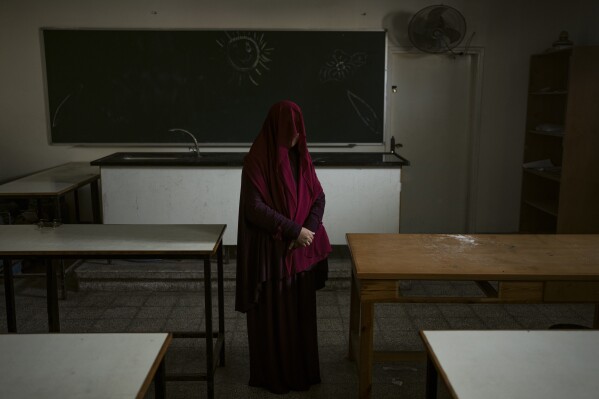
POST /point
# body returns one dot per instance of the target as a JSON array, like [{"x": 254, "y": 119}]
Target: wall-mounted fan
[{"x": 437, "y": 29}]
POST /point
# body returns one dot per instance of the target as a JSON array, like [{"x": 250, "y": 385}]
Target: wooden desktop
[{"x": 527, "y": 269}]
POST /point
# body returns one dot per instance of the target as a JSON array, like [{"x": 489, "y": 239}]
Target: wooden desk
[
  {"x": 120, "y": 241},
  {"x": 55, "y": 183},
  {"x": 82, "y": 366},
  {"x": 513, "y": 364},
  {"x": 528, "y": 269}
]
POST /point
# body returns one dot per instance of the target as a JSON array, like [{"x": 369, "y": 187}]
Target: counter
[
  {"x": 362, "y": 190},
  {"x": 320, "y": 159}
]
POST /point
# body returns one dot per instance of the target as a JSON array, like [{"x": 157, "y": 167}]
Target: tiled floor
[{"x": 396, "y": 329}]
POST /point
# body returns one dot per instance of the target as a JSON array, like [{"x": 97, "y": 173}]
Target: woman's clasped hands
[{"x": 304, "y": 239}]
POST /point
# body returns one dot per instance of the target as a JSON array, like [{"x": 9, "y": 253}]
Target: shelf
[
  {"x": 562, "y": 128},
  {"x": 555, "y": 176},
  {"x": 546, "y": 206}
]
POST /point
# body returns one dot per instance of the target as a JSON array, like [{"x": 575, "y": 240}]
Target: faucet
[
  {"x": 195, "y": 141},
  {"x": 393, "y": 145}
]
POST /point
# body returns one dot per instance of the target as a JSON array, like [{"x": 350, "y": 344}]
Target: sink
[
  {"x": 390, "y": 158},
  {"x": 172, "y": 159},
  {"x": 146, "y": 157},
  {"x": 319, "y": 159},
  {"x": 358, "y": 157}
]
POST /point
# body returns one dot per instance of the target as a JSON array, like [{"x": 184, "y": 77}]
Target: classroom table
[
  {"x": 526, "y": 269},
  {"x": 513, "y": 364},
  {"x": 82, "y": 366},
  {"x": 54, "y": 184},
  {"x": 107, "y": 241}
]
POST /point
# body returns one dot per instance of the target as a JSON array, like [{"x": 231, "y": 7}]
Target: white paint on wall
[
  {"x": 357, "y": 200},
  {"x": 360, "y": 200},
  {"x": 177, "y": 195}
]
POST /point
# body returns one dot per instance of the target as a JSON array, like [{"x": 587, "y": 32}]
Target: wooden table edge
[
  {"x": 433, "y": 359},
  {"x": 152, "y": 372}
]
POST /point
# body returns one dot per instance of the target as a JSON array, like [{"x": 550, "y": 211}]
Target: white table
[
  {"x": 82, "y": 366},
  {"x": 120, "y": 241},
  {"x": 514, "y": 364},
  {"x": 55, "y": 183}
]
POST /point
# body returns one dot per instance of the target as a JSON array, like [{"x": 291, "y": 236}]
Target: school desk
[
  {"x": 82, "y": 366},
  {"x": 526, "y": 269},
  {"x": 54, "y": 184},
  {"x": 513, "y": 364},
  {"x": 107, "y": 241}
]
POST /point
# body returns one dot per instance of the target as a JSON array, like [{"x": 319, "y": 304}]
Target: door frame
[{"x": 474, "y": 123}]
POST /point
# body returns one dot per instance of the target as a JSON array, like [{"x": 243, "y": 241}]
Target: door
[{"x": 431, "y": 115}]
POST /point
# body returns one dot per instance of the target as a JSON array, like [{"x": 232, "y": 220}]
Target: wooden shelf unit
[{"x": 563, "y": 91}]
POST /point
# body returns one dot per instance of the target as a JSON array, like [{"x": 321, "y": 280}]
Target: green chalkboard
[{"x": 132, "y": 86}]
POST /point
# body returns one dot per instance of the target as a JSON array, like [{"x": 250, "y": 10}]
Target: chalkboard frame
[{"x": 326, "y": 76}]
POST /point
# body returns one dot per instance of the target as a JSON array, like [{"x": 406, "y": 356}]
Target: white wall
[{"x": 509, "y": 31}]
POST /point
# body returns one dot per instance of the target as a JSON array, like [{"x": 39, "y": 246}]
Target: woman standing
[{"x": 282, "y": 250}]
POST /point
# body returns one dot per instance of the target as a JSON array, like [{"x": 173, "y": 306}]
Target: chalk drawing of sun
[{"x": 247, "y": 53}]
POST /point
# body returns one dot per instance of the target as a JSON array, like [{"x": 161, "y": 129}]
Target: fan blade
[
  {"x": 436, "y": 12},
  {"x": 453, "y": 35}
]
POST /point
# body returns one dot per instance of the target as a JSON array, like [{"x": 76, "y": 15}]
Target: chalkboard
[{"x": 132, "y": 86}]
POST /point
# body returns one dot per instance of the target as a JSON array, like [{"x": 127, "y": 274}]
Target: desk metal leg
[
  {"x": 431, "y": 379},
  {"x": 77, "y": 210},
  {"x": 208, "y": 316},
  {"x": 58, "y": 217},
  {"x": 9, "y": 294},
  {"x": 52, "y": 297},
  {"x": 221, "y": 304},
  {"x": 160, "y": 381},
  {"x": 63, "y": 280},
  {"x": 365, "y": 358},
  {"x": 57, "y": 212},
  {"x": 96, "y": 213},
  {"x": 38, "y": 206}
]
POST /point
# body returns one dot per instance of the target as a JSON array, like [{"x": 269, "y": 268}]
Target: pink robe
[{"x": 276, "y": 285}]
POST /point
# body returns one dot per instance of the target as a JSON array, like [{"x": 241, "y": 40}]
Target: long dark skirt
[{"x": 282, "y": 333}]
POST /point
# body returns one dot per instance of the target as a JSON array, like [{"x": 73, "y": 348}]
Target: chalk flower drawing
[
  {"x": 341, "y": 65},
  {"x": 365, "y": 112},
  {"x": 247, "y": 53}
]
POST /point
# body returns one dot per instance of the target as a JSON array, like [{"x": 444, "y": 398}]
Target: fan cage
[{"x": 427, "y": 37}]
